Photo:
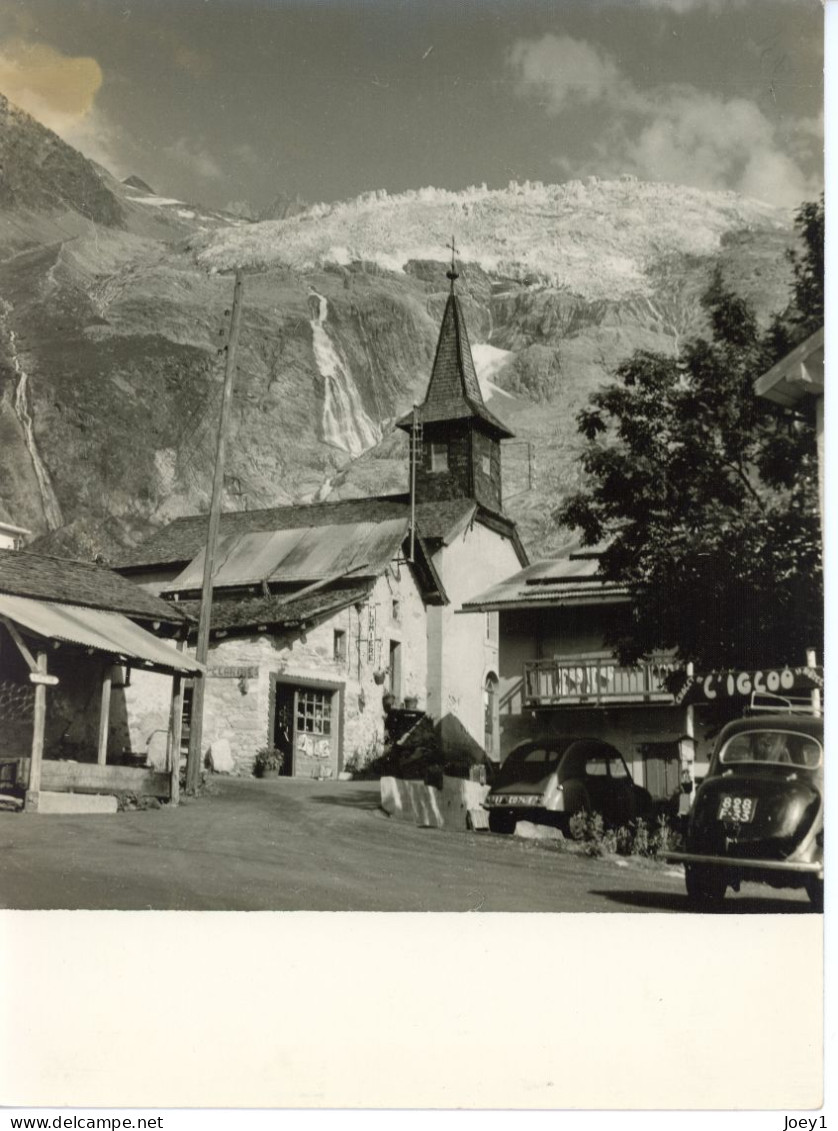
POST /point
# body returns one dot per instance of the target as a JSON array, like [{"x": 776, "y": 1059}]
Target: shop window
[{"x": 314, "y": 712}]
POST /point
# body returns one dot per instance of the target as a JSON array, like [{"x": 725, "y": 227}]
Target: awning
[{"x": 111, "y": 633}]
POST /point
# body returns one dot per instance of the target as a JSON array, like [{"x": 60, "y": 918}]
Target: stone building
[{"x": 320, "y": 610}]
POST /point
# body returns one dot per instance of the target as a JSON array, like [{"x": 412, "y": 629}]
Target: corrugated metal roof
[
  {"x": 799, "y": 373},
  {"x": 555, "y": 581},
  {"x": 304, "y": 554},
  {"x": 106, "y": 632}
]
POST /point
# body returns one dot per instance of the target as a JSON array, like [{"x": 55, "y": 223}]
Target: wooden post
[
  {"x": 196, "y": 722},
  {"x": 38, "y": 726},
  {"x": 175, "y": 729},
  {"x": 104, "y": 716},
  {"x": 812, "y": 662}
]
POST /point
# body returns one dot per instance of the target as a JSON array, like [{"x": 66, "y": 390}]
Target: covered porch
[{"x": 64, "y": 669}]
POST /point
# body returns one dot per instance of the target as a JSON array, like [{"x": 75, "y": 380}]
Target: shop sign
[
  {"x": 230, "y": 671},
  {"x": 739, "y": 685}
]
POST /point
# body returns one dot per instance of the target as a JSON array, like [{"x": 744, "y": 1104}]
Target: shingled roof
[
  {"x": 184, "y": 538},
  {"x": 81, "y": 583},
  {"x": 453, "y": 390},
  {"x": 278, "y": 611}
]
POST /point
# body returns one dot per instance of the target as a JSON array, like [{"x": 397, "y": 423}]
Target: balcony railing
[{"x": 592, "y": 682}]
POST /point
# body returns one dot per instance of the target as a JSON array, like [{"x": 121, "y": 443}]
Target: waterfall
[
  {"x": 49, "y": 503},
  {"x": 346, "y": 424}
]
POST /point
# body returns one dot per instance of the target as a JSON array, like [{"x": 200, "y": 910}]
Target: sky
[{"x": 222, "y": 101}]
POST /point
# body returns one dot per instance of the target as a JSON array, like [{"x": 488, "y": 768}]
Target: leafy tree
[{"x": 706, "y": 494}]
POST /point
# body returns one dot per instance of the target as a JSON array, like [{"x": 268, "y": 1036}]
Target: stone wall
[{"x": 239, "y": 707}]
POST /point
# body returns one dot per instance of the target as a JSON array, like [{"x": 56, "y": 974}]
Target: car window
[
  {"x": 538, "y": 755},
  {"x": 618, "y": 768},
  {"x": 596, "y": 767},
  {"x": 768, "y": 745}
]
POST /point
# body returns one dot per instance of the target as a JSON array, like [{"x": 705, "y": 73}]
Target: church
[{"x": 323, "y": 610}]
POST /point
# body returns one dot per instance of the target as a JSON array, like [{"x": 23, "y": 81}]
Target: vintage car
[
  {"x": 547, "y": 781},
  {"x": 758, "y": 814}
]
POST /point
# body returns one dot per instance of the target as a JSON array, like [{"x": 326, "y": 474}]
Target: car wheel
[
  {"x": 705, "y": 886},
  {"x": 501, "y": 823},
  {"x": 814, "y": 889}
]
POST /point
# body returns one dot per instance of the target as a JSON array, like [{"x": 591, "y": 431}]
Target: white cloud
[
  {"x": 678, "y": 134},
  {"x": 561, "y": 70},
  {"x": 195, "y": 158}
]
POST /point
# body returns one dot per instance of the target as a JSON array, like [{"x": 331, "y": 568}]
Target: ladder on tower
[{"x": 416, "y": 447}]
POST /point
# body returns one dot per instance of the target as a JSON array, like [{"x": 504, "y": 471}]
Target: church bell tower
[{"x": 459, "y": 450}]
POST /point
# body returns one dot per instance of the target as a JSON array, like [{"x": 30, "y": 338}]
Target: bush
[{"x": 634, "y": 839}]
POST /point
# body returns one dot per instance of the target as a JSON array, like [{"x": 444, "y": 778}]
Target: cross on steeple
[{"x": 452, "y": 274}]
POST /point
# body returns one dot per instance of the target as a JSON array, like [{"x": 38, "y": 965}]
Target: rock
[
  {"x": 530, "y": 831},
  {"x": 221, "y": 757}
]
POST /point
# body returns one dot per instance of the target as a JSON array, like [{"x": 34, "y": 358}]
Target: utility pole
[{"x": 196, "y": 724}]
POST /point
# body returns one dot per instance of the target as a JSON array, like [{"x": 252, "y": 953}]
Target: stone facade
[{"x": 245, "y": 670}]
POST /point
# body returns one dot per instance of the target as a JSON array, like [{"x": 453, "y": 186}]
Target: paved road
[{"x": 305, "y": 846}]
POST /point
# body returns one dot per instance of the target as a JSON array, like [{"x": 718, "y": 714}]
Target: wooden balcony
[{"x": 594, "y": 682}]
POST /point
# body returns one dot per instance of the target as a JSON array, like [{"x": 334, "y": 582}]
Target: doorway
[
  {"x": 284, "y": 727},
  {"x": 307, "y": 726}
]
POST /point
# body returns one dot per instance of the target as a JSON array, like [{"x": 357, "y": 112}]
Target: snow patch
[
  {"x": 596, "y": 239},
  {"x": 154, "y": 201},
  {"x": 488, "y": 361}
]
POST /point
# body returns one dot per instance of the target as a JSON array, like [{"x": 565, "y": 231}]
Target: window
[
  {"x": 395, "y": 669},
  {"x": 397, "y": 609},
  {"x": 486, "y": 464},
  {"x": 490, "y": 722},
  {"x": 492, "y": 628},
  {"x": 314, "y": 712},
  {"x": 439, "y": 456},
  {"x": 340, "y": 646}
]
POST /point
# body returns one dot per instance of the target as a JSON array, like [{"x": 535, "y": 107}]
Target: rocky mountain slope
[{"x": 112, "y": 312}]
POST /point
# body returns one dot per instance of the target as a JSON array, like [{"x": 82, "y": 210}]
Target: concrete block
[
  {"x": 478, "y": 820},
  {"x": 75, "y": 803},
  {"x": 530, "y": 831},
  {"x": 459, "y": 797},
  {"x": 412, "y": 801}
]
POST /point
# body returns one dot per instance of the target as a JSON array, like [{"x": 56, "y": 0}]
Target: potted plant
[{"x": 268, "y": 762}]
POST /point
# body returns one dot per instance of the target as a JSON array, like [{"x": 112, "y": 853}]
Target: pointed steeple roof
[{"x": 453, "y": 390}]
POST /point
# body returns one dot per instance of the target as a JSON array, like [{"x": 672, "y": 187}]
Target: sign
[
  {"x": 740, "y": 685},
  {"x": 233, "y": 672}
]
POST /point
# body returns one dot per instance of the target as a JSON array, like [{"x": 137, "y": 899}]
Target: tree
[{"x": 706, "y": 494}]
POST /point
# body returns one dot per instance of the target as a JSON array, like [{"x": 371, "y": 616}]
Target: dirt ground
[{"x": 283, "y": 845}]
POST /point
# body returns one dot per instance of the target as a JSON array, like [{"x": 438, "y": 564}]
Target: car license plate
[{"x": 738, "y": 809}]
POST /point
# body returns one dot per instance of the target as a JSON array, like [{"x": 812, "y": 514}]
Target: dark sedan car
[
  {"x": 758, "y": 815},
  {"x": 549, "y": 780}
]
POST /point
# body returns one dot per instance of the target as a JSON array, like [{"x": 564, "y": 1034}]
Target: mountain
[{"x": 112, "y": 315}]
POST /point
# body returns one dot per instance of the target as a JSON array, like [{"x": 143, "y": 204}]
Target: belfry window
[{"x": 439, "y": 456}]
